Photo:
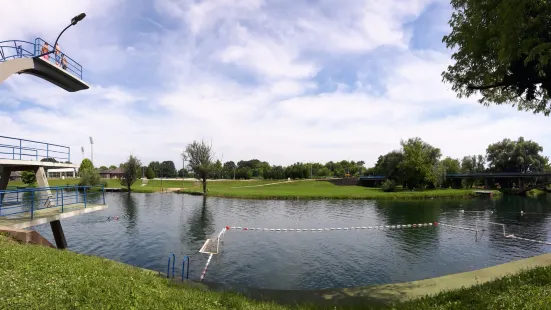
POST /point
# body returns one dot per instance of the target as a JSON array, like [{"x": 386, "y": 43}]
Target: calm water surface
[{"x": 153, "y": 225}]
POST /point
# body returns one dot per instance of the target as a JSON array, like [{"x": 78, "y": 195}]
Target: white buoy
[
  {"x": 521, "y": 212},
  {"x": 462, "y": 211}
]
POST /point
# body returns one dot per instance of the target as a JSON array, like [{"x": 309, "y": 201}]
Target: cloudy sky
[{"x": 281, "y": 81}]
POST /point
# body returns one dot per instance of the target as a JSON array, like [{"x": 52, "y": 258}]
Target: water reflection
[
  {"x": 130, "y": 212},
  {"x": 154, "y": 225}
]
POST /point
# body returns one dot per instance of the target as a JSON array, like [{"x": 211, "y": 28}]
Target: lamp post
[
  {"x": 82, "y": 149},
  {"x": 92, "y": 149},
  {"x": 74, "y": 21}
]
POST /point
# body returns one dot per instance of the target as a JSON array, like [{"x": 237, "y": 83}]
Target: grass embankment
[
  {"x": 323, "y": 190},
  {"x": 36, "y": 277},
  {"x": 266, "y": 189}
]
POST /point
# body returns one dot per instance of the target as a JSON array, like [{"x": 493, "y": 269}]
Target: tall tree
[
  {"x": 112, "y": 167},
  {"x": 200, "y": 155},
  {"x": 418, "y": 165},
  {"x": 85, "y": 164},
  {"x": 516, "y": 156},
  {"x": 168, "y": 169},
  {"x": 387, "y": 165},
  {"x": 502, "y": 49},
  {"x": 131, "y": 170},
  {"x": 149, "y": 173}
]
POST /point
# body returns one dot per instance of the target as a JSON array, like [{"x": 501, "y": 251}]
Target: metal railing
[
  {"x": 12, "y": 49},
  {"x": 15, "y": 148},
  {"x": 185, "y": 267},
  {"x": 29, "y": 200}
]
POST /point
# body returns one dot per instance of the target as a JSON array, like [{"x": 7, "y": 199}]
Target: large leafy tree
[
  {"x": 387, "y": 165},
  {"x": 502, "y": 49},
  {"x": 86, "y": 164},
  {"x": 419, "y": 163},
  {"x": 516, "y": 156},
  {"x": 200, "y": 155}
]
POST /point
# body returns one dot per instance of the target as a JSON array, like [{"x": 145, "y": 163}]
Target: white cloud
[{"x": 243, "y": 73}]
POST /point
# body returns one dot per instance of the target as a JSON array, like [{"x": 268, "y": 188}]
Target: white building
[{"x": 61, "y": 173}]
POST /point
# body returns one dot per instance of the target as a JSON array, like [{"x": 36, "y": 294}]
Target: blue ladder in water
[{"x": 185, "y": 271}]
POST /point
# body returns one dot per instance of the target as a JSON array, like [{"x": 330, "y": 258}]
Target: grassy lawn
[
  {"x": 323, "y": 190},
  {"x": 307, "y": 189},
  {"x": 36, "y": 277}
]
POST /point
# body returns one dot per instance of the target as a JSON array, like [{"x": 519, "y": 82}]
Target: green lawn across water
[
  {"x": 37, "y": 277},
  {"x": 266, "y": 189}
]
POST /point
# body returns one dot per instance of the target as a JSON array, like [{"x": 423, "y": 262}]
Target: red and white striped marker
[
  {"x": 206, "y": 268},
  {"x": 338, "y": 228}
]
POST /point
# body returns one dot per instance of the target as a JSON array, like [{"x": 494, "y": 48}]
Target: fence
[
  {"x": 12, "y": 49},
  {"x": 15, "y": 202},
  {"x": 14, "y": 148}
]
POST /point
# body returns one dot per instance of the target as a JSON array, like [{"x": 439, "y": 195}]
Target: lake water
[{"x": 151, "y": 226}]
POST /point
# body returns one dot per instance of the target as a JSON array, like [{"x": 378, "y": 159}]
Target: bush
[
  {"x": 28, "y": 178},
  {"x": 89, "y": 177},
  {"x": 388, "y": 186}
]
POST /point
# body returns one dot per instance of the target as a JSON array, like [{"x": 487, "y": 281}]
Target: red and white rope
[
  {"x": 206, "y": 267},
  {"x": 380, "y": 227}
]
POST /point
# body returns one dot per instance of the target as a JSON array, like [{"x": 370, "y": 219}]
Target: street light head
[
  {"x": 77, "y": 18},
  {"x": 91, "y": 140}
]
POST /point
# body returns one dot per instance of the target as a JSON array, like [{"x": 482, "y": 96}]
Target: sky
[{"x": 281, "y": 81}]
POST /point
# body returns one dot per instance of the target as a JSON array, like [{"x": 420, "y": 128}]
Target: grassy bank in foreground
[
  {"x": 36, "y": 277},
  {"x": 325, "y": 190}
]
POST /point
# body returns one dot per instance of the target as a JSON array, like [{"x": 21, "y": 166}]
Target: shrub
[
  {"x": 89, "y": 177},
  {"x": 28, "y": 178},
  {"x": 388, "y": 186}
]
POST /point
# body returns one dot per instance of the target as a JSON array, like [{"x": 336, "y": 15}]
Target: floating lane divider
[{"x": 380, "y": 227}]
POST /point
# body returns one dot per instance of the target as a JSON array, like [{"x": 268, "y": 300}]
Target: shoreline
[
  {"x": 465, "y": 194},
  {"x": 387, "y": 294}
]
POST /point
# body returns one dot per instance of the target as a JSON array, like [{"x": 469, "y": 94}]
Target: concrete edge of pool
[{"x": 387, "y": 293}]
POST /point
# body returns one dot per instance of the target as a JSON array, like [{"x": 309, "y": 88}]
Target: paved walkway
[
  {"x": 389, "y": 293},
  {"x": 268, "y": 184}
]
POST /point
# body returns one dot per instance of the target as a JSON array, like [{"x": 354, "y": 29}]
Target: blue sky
[{"x": 281, "y": 81}]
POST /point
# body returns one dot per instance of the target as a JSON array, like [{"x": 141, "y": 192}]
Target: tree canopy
[
  {"x": 516, "y": 156},
  {"x": 200, "y": 156},
  {"x": 86, "y": 164},
  {"x": 130, "y": 172},
  {"x": 502, "y": 50}
]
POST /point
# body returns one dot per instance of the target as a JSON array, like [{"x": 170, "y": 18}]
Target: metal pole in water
[
  {"x": 103, "y": 192},
  {"x": 32, "y": 204},
  {"x": 85, "y": 197},
  {"x": 62, "y": 201}
]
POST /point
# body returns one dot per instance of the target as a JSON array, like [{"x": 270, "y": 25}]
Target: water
[{"x": 153, "y": 225}]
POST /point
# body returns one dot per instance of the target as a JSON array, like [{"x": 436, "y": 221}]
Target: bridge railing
[
  {"x": 21, "y": 149},
  {"x": 24, "y": 202},
  {"x": 12, "y": 49}
]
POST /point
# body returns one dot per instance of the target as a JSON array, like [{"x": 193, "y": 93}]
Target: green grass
[
  {"x": 37, "y": 277},
  {"x": 324, "y": 190},
  {"x": 307, "y": 189}
]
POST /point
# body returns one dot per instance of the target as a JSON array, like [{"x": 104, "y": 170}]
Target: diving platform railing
[
  {"x": 36, "y": 58},
  {"x": 26, "y": 203},
  {"x": 13, "y": 49},
  {"x": 21, "y": 149}
]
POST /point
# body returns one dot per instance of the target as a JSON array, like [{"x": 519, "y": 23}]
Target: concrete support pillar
[
  {"x": 59, "y": 236},
  {"x": 42, "y": 181},
  {"x": 486, "y": 183},
  {"x": 5, "y": 173},
  {"x": 520, "y": 183}
]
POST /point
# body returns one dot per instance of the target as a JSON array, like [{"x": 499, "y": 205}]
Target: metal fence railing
[
  {"x": 15, "y": 148},
  {"x": 16, "y": 202},
  {"x": 12, "y": 49}
]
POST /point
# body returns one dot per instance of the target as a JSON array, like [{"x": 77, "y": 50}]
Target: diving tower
[
  {"x": 23, "y": 207},
  {"x": 22, "y": 57}
]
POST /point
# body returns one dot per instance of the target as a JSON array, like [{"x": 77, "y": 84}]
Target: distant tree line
[
  {"x": 419, "y": 165},
  {"x": 257, "y": 169}
]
